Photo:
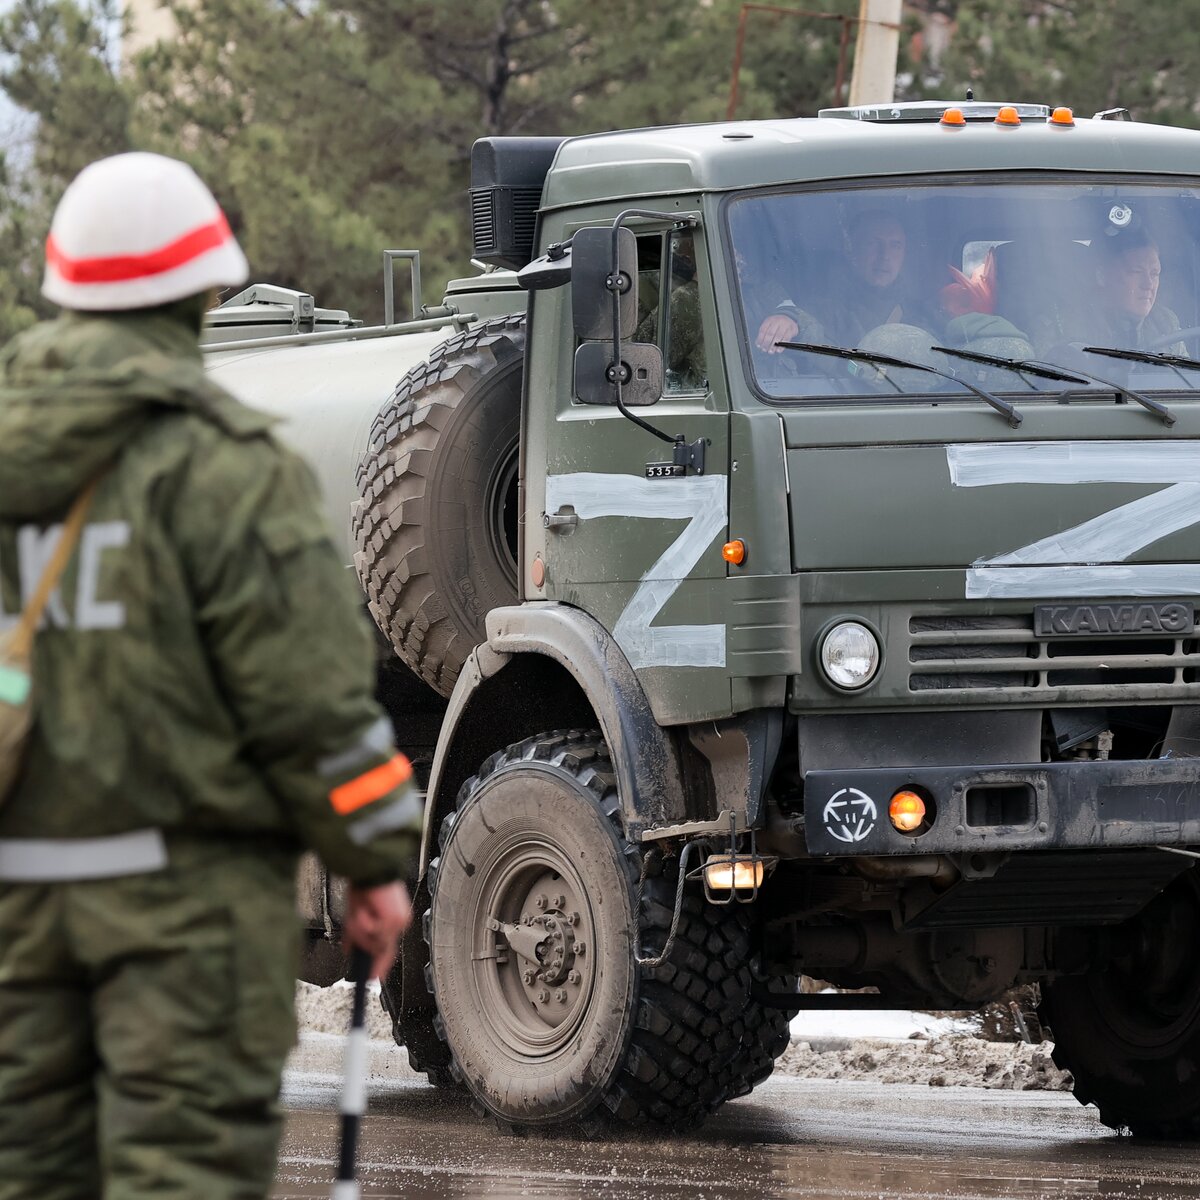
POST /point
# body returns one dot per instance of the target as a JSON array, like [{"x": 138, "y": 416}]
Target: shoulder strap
[{"x": 31, "y": 615}]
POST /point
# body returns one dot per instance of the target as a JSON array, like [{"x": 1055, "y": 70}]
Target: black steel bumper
[{"x": 972, "y": 809}]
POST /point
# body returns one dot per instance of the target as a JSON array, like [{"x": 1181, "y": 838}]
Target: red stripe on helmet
[{"x": 120, "y": 268}]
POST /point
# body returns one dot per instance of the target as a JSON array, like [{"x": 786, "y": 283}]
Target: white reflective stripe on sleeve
[
  {"x": 65, "y": 860},
  {"x": 354, "y": 1086},
  {"x": 387, "y": 818},
  {"x": 377, "y": 742}
]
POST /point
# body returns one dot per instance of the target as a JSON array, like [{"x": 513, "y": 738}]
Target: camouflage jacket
[{"x": 205, "y": 667}]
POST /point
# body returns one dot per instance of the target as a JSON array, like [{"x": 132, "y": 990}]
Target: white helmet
[{"x": 135, "y": 231}]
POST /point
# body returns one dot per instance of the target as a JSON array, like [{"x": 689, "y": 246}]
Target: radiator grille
[{"x": 955, "y": 654}]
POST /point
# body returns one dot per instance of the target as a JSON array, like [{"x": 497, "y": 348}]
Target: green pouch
[{"x": 16, "y": 650}]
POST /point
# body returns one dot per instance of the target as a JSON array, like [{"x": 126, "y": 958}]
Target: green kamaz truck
[{"x": 785, "y": 557}]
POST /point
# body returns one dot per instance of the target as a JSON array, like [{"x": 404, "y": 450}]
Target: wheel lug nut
[
  {"x": 539, "y": 902},
  {"x": 572, "y": 976},
  {"x": 558, "y": 901},
  {"x": 573, "y": 918},
  {"x": 543, "y": 996},
  {"x": 580, "y": 948},
  {"x": 528, "y": 977},
  {"x": 561, "y": 996}
]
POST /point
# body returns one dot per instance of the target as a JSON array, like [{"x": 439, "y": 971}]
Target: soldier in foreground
[{"x": 203, "y": 700}]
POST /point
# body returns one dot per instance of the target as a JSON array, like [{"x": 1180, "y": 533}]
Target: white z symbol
[
  {"x": 700, "y": 500},
  {"x": 1062, "y": 564}
]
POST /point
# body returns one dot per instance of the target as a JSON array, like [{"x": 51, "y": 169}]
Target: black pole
[{"x": 354, "y": 1082}]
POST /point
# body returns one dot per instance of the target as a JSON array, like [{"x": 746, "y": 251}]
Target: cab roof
[{"x": 720, "y": 157}]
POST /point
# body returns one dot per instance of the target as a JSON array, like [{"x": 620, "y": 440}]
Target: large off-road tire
[
  {"x": 1129, "y": 1029},
  {"x": 583, "y": 1031},
  {"x": 436, "y": 525}
]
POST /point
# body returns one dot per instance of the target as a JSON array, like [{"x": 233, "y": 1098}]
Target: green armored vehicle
[{"x": 785, "y": 558}]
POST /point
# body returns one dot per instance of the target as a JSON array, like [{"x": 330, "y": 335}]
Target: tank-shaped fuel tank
[
  {"x": 328, "y": 384},
  {"x": 326, "y": 395}
]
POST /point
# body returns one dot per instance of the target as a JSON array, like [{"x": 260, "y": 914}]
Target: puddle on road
[{"x": 835, "y": 1142}]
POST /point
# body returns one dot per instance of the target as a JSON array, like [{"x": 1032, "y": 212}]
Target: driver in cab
[{"x": 871, "y": 292}]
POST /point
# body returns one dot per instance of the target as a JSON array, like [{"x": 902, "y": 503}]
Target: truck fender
[{"x": 546, "y": 665}]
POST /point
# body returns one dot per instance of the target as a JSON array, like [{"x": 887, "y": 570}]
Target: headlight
[{"x": 850, "y": 655}]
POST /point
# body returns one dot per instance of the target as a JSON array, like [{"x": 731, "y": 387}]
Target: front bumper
[{"x": 975, "y": 809}]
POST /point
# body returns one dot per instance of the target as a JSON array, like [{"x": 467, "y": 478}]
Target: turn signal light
[
  {"x": 1062, "y": 116},
  {"x": 722, "y": 874},
  {"x": 734, "y": 552},
  {"x": 1008, "y": 116},
  {"x": 907, "y": 811},
  {"x": 953, "y": 116}
]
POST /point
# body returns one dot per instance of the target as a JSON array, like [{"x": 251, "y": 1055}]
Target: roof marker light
[
  {"x": 953, "y": 116},
  {"x": 1008, "y": 115},
  {"x": 1062, "y": 116}
]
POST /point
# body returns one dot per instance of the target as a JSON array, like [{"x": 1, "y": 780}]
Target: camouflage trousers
[{"x": 144, "y": 1023}]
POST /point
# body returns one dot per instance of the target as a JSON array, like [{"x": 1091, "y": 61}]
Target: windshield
[{"x": 1013, "y": 271}]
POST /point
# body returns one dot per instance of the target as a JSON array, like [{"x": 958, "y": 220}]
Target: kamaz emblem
[{"x": 1067, "y": 620}]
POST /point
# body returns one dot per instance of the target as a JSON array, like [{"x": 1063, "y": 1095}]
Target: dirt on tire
[{"x": 679, "y": 1037}]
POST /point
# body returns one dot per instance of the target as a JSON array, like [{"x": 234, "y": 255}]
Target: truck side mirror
[
  {"x": 591, "y": 268},
  {"x": 641, "y": 373}
]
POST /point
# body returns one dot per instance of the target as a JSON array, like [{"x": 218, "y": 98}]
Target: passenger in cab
[
  {"x": 1127, "y": 312},
  {"x": 869, "y": 291}
]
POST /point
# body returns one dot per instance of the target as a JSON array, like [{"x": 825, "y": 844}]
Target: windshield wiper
[
  {"x": 1049, "y": 371},
  {"x": 1003, "y": 407},
  {"x": 1019, "y": 365},
  {"x": 1176, "y": 362}
]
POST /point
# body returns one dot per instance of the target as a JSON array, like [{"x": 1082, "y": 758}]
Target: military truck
[{"x": 784, "y": 554}]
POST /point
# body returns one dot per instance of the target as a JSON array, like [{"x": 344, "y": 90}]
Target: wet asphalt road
[{"x": 791, "y": 1138}]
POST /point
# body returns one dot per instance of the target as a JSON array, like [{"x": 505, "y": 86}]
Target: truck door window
[{"x": 669, "y": 303}]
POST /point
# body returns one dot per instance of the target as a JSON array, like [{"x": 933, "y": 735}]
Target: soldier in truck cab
[
  {"x": 1127, "y": 312},
  {"x": 868, "y": 290},
  {"x": 202, "y": 711}
]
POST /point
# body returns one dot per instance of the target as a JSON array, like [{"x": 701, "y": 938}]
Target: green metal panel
[
  {"x": 644, "y": 554},
  {"x": 763, "y": 153}
]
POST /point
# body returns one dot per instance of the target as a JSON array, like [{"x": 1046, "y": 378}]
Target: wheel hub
[{"x": 539, "y": 964}]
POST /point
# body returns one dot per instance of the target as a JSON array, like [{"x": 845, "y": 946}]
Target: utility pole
[{"x": 874, "y": 77}]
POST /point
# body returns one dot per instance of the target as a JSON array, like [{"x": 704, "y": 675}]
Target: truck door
[{"x": 640, "y": 552}]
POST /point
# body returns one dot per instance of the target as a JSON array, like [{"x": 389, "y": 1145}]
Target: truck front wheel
[
  {"x": 550, "y": 1014},
  {"x": 1129, "y": 1029}
]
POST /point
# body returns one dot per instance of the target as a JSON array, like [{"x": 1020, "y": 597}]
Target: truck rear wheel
[
  {"x": 436, "y": 525},
  {"x": 1129, "y": 1029},
  {"x": 549, "y": 1014}
]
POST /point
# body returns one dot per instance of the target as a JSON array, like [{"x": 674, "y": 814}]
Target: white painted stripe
[
  {"x": 354, "y": 1083},
  {"x": 64, "y": 860},
  {"x": 698, "y": 499},
  {"x": 345, "y": 1189},
  {"x": 986, "y": 464},
  {"x": 377, "y": 742},
  {"x": 1068, "y": 582},
  {"x": 408, "y": 810},
  {"x": 1115, "y": 535}
]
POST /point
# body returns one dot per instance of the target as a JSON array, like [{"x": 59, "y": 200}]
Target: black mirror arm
[{"x": 618, "y": 283}]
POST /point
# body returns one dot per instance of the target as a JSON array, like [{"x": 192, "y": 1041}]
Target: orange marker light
[
  {"x": 1062, "y": 116},
  {"x": 953, "y": 116},
  {"x": 734, "y": 552},
  {"x": 1008, "y": 116},
  {"x": 907, "y": 811}
]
